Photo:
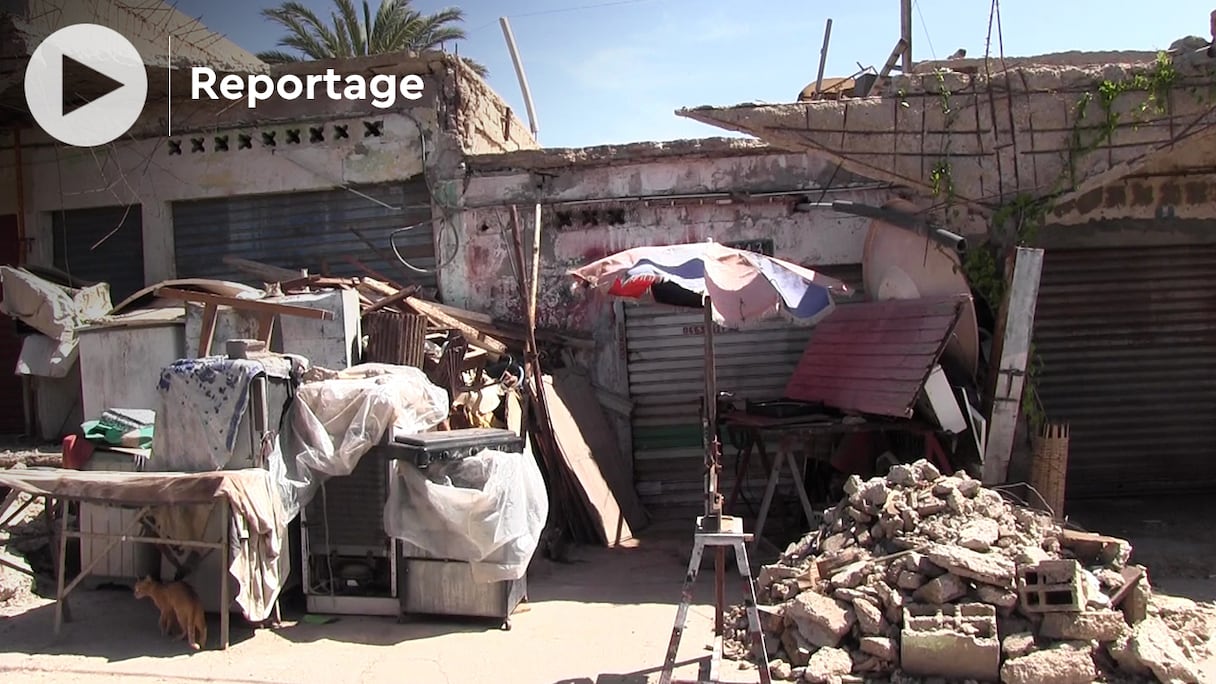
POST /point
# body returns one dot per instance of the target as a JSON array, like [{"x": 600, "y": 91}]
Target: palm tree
[{"x": 395, "y": 27}]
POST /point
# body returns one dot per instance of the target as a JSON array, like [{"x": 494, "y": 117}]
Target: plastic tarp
[
  {"x": 487, "y": 510},
  {"x": 334, "y": 422}
]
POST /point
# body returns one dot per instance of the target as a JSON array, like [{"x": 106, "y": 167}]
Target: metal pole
[
  {"x": 905, "y": 32},
  {"x": 519, "y": 73},
  {"x": 713, "y": 508},
  {"x": 823, "y": 57}
]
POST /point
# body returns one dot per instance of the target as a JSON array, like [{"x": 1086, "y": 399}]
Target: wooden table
[{"x": 805, "y": 428}]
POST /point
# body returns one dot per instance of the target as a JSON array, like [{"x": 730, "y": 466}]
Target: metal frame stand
[
  {"x": 720, "y": 532},
  {"x": 728, "y": 535}
]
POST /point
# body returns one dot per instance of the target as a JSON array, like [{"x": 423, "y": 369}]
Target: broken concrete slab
[
  {"x": 822, "y": 620},
  {"x": 1091, "y": 625},
  {"x": 797, "y": 648},
  {"x": 1096, "y": 549},
  {"x": 1153, "y": 645},
  {"x": 910, "y": 580},
  {"x": 1001, "y": 598},
  {"x": 1065, "y": 663},
  {"x": 987, "y": 568}
]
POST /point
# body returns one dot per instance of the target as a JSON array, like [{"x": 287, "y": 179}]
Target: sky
[{"x": 615, "y": 71}]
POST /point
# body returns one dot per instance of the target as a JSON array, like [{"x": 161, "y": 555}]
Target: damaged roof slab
[{"x": 981, "y": 139}]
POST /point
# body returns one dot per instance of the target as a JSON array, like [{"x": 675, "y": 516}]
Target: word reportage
[{"x": 383, "y": 88}]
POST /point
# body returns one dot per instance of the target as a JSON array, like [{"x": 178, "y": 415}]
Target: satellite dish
[{"x": 898, "y": 263}]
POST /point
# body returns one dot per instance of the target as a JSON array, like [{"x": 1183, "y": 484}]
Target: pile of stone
[{"x": 924, "y": 575}]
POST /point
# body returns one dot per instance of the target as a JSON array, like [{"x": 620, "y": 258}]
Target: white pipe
[{"x": 519, "y": 72}]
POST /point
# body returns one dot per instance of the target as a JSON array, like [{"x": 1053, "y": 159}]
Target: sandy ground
[{"x": 602, "y": 619}]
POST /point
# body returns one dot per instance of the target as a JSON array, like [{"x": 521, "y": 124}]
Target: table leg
[
  {"x": 745, "y": 458},
  {"x": 60, "y": 597},
  {"x": 719, "y": 590},
  {"x": 774, "y": 474},
  {"x": 800, "y": 487},
  {"x": 224, "y": 600}
]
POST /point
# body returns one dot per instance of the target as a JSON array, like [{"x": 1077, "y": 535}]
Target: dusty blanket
[
  {"x": 202, "y": 404},
  {"x": 257, "y": 524}
]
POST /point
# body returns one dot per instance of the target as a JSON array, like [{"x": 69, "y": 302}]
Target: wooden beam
[
  {"x": 243, "y": 304},
  {"x": 391, "y": 299},
  {"x": 1012, "y": 352},
  {"x": 475, "y": 337},
  {"x": 267, "y": 272}
]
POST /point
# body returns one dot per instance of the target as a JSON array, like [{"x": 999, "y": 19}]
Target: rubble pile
[{"x": 920, "y": 574}]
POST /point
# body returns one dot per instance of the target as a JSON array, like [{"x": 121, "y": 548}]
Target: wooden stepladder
[{"x": 727, "y": 535}]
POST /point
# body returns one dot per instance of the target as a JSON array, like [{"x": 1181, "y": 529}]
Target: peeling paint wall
[{"x": 610, "y": 215}]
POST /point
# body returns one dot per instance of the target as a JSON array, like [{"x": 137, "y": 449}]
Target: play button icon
[{"x": 86, "y": 85}]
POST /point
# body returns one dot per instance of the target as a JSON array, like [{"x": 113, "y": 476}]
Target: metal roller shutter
[
  {"x": 306, "y": 230},
  {"x": 1127, "y": 339},
  {"x": 666, "y": 379},
  {"x": 101, "y": 245}
]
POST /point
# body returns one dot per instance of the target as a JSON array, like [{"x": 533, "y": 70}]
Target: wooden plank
[
  {"x": 475, "y": 337},
  {"x": 372, "y": 272},
  {"x": 245, "y": 304},
  {"x": 401, "y": 295},
  {"x": 265, "y": 326},
  {"x": 1013, "y": 336},
  {"x": 464, "y": 314},
  {"x": 210, "y": 311},
  {"x": 267, "y": 272}
]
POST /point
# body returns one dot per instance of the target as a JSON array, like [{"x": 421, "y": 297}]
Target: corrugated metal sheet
[
  {"x": 12, "y": 395},
  {"x": 874, "y": 357},
  {"x": 666, "y": 381},
  {"x": 306, "y": 230},
  {"x": 1127, "y": 341},
  {"x": 117, "y": 260}
]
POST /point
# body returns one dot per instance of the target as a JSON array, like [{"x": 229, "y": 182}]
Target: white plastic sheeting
[
  {"x": 334, "y": 422},
  {"x": 53, "y": 310},
  {"x": 487, "y": 509}
]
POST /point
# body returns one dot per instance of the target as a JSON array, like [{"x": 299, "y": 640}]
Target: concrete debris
[
  {"x": 1017, "y": 645},
  {"x": 944, "y": 589},
  {"x": 821, "y": 620},
  {"x": 917, "y": 574},
  {"x": 1065, "y": 663},
  {"x": 1093, "y": 625},
  {"x": 1154, "y": 647},
  {"x": 828, "y": 665}
]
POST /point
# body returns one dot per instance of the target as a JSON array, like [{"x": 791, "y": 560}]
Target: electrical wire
[{"x": 925, "y": 28}]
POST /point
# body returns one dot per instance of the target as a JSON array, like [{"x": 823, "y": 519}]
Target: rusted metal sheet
[
  {"x": 665, "y": 351},
  {"x": 874, "y": 357},
  {"x": 1127, "y": 343}
]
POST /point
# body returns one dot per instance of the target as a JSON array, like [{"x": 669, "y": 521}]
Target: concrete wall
[
  {"x": 611, "y": 203},
  {"x": 459, "y": 114},
  {"x": 144, "y": 172},
  {"x": 1178, "y": 184}
]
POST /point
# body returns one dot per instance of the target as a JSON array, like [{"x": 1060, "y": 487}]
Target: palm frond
[
  {"x": 348, "y": 25},
  {"x": 477, "y": 67},
  {"x": 278, "y": 57}
]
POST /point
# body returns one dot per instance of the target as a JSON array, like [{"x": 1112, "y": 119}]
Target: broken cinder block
[
  {"x": 967, "y": 632},
  {"x": 1052, "y": 586}
]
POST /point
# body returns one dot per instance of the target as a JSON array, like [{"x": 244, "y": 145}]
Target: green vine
[
  {"x": 941, "y": 176},
  {"x": 1017, "y": 222},
  {"x": 1156, "y": 82}
]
